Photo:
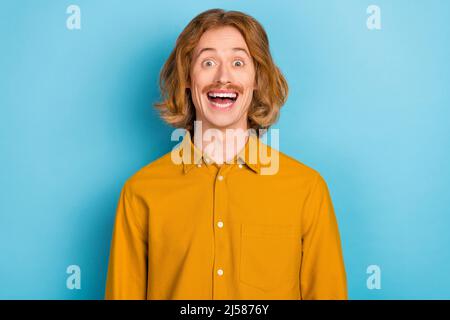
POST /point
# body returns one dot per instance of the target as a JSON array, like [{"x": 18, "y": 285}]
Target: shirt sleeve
[
  {"x": 322, "y": 274},
  {"x": 127, "y": 269}
]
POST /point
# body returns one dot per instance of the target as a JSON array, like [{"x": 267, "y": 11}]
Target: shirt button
[
  {"x": 220, "y": 224},
  {"x": 220, "y": 178},
  {"x": 220, "y": 272},
  {"x": 240, "y": 166},
  {"x": 199, "y": 165}
]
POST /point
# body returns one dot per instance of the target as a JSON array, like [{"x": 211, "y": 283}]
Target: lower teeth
[{"x": 222, "y": 105}]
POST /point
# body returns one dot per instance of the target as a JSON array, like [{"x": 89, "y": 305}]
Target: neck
[{"x": 221, "y": 144}]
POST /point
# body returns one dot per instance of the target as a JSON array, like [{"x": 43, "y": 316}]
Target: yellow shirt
[{"x": 199, "y": 230}]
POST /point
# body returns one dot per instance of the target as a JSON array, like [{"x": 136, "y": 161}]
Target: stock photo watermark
[
  {"x": 374, "y": 280},
  {"x": 73, "y": 21},
  {"x": 373, "y": 22},
  {"x": 73, "y": 281}
]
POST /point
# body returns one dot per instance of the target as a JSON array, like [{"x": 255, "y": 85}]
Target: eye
[
  {"x": 238, "y": 63},
  {"x": 208, "y": 63}
]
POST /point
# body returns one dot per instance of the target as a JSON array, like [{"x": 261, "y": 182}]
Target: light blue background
[{"x": 369, "y": 109}]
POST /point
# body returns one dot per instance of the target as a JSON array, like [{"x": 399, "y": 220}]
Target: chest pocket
[{"x": 270, "y": 256}]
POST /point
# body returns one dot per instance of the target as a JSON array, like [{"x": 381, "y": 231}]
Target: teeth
[
  {"x": 222, "y": 105},
  {"x": 222, "y": 95}
]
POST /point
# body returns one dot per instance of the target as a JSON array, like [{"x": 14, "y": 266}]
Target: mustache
[{"x": 233, "y": 87}]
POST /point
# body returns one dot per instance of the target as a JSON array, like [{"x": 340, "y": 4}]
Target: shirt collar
[{"x": 250, "y": 159}]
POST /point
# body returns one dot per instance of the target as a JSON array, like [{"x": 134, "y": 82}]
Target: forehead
[{"x": 222, "y": 39}]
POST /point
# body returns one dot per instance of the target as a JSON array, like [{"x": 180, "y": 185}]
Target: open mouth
[{"x": 222, "y": 100}]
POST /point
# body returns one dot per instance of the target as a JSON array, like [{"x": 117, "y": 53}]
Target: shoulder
[
  {"x": 306, "y": 177},
  {"x": 288, "y": 165},
  {"x": 160, "y": 169}
]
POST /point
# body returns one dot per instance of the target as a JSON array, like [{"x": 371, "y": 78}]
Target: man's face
[{"x": 222, "y": 79}]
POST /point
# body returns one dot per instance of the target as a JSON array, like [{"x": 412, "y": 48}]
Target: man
[{"x": 215, "y": 218}]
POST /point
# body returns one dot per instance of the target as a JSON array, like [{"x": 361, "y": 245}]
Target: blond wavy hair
[{"x": 177, "y": 107}]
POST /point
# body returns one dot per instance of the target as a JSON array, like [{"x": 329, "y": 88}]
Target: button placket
[{"x": 220, "y": 246}]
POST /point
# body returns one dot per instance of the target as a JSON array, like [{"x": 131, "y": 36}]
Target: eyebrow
[{"x": 212, "y": 49}]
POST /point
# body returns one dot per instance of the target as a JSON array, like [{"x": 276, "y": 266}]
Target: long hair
[{"x": 177, "y": 108}]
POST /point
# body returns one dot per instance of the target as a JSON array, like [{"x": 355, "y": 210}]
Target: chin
[{"x": 225, "y": 123}]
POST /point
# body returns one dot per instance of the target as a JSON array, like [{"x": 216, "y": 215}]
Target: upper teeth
[{"x": 223, "y": 95}]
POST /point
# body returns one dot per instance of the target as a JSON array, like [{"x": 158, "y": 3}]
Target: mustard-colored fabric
[{"x": 182, "y": 232}]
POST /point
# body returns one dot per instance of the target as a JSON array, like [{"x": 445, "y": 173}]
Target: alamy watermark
[
  {"x": 374, "y": 279},
  {"x": 73, "y": 22},
  {"x": 73, "y": 281},
  {"x": 373, "y": 21}
]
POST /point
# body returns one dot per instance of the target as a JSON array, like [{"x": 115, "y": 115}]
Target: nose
[{"x": 223, "y": 74}]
